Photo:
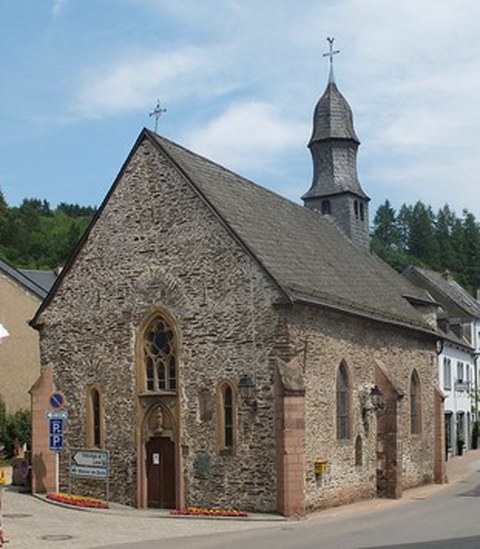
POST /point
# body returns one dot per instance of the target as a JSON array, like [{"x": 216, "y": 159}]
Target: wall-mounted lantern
[
  {"x": 246, "y": 388},
  {"x": 375, "y": 401}
]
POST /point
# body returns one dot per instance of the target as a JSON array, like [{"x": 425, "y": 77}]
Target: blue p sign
[{"x": 56, "y": 434}]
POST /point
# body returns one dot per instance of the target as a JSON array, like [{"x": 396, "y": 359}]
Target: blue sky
[{"x": 240, "y": 80}]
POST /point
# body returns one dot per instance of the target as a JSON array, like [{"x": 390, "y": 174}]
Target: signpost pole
[
  {"x": 69, "y": 473},
  {"x": 2, "y": 531}
]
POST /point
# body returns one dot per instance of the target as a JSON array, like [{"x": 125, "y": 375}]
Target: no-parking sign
[{"x": 57, "y": 401}]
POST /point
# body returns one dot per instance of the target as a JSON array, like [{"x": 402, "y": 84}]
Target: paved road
[
  {"x": 443, "y": 518},
  {"x": 426, "y": 514}
]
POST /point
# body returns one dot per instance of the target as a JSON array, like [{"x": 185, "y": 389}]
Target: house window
[
  {"x": 343, "y": 403},
  {"x": 415, "y": 404},
  {"x": 447, "y": 373},
  {"x": 326, "y": 207},
  {"x": 227, "y": 417},
  {"x": 94, "y": 418},
  {"x": 159, "y": 355},
  {"x": 460, "y": 372}
]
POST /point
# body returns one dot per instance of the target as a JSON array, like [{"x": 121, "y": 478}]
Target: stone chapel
[{"x": 231, "y": 348}]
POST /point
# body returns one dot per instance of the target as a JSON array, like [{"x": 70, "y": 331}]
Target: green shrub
[{"x": 15, "y": 430}]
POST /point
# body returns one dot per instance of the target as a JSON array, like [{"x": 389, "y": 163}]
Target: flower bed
[
  {"x": 78, "y": 501},
  {"x": 198, "y": 511}
]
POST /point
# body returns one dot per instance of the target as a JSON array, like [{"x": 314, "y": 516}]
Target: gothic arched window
[
  {"x": 159, "y": 356},
  {"x": 94, "y": 417},
  {"x": 343, "y": 403},
  {"x": 226, "y": 416},
  {"x": 415, "y": 404},
  {"x": 358, "y": 451}
]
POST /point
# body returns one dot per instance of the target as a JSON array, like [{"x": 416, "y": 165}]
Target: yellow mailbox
[
  {"x": 321, "y": 466},
  {"x": 5, "y": 476}
]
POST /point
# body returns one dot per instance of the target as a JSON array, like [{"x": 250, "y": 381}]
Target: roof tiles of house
[
  {"x": 455, "y": 299},
  {"x": 303, "y": 251},
  {"x": 37, "y": 282}
]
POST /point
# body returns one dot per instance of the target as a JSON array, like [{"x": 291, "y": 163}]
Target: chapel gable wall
[{"x": 157, "y": 246}]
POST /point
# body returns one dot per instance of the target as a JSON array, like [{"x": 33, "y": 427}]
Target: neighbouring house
[
  {"x": 231, "y": 348},
  {"x": 21, "y": 293},
  {"x": 459, "y": 323}
]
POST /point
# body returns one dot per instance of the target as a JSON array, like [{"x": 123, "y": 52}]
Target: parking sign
[{"x": 56, "y": 435}]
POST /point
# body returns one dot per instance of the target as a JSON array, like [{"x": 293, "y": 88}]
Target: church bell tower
[{"x": 335, "y": 188}]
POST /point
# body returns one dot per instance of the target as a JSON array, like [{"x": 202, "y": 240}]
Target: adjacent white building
[{"x": 459, "y": 346}]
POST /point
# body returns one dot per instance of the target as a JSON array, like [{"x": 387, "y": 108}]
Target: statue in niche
[{"x": 159, "y": 420}]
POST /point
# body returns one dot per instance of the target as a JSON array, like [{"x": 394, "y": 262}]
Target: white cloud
[
  {"x": 247, "y": 136},
  {"x": 57, "y": 7},
  {"x": 137, "y": 81}
]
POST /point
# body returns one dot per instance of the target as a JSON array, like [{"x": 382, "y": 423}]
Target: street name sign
[{"x": 92, "y": 464}]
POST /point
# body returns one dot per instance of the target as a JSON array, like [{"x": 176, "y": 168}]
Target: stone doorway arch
[{"x": 159, "y": 459}]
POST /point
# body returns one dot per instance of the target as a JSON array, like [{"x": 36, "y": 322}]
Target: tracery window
[
  {"x": 343, "y": 403},
  {"x": 159, "y": 354},
  {"x": 415, "y": 404}
]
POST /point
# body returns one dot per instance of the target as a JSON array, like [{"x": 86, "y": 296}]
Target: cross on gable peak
[{"x": 157, "y": 113}]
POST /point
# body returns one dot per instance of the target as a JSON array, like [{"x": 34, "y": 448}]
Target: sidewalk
[
  {"x": 32, "y": 523},
  {"x": 457, "y": 468},
  {"x": 461, "y": 466}
]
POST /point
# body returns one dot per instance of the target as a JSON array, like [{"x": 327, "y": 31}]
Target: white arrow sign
[
  {"x": 56, "y": 414},
  {"x": 90, "y": 458}
]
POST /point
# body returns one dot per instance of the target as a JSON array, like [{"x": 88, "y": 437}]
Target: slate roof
[
  {"x": 303, "y": 251},
  {"x": 453, "y": 298},
  {"x": 333, "y": 146},
  {"x": 333, "y": 117},
  {"x": 37, "y": 282}
]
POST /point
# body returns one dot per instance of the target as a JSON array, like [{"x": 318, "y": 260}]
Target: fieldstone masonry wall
[
  {"x": 157, "y": 245},
  {"x": 328, "y": 338}
]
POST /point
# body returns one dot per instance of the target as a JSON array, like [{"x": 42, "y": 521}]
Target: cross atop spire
[
  {"x": 157, "y": 113},
  {"x": 331, "y": 53}
]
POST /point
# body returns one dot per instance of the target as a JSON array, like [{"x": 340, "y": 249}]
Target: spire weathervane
[
  {"x": 330, "y": 54},
  {"x": 157, "y": 113}
]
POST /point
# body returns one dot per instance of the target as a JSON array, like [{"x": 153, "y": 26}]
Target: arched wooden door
[{"x": 160, "y": 469}]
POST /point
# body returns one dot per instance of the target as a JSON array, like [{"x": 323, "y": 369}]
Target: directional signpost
[{"x": 90, "y": 464}]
